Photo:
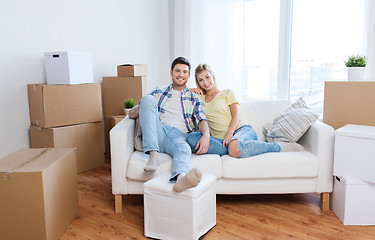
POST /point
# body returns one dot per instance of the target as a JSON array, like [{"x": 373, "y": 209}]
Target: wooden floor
[{"x": 294, "y": 216}]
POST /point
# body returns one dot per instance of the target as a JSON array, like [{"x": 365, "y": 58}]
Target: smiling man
[{"x": 167, "y": 115}]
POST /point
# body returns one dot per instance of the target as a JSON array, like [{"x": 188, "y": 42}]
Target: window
[
  {"x": 324, "y": 34},
  {"x": 276, "y": 48}
]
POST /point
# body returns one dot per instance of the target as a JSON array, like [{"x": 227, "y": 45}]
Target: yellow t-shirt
[{"x": 218, "y": 113}]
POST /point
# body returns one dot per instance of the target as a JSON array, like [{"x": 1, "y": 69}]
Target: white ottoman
[{"x": 185, "y": 215}]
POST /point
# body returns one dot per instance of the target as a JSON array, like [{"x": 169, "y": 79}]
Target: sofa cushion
[
  {"x": 271, "y": 165},
  {"x": 209, "y": 163},
  {"x": 291, "y": 124},
  {"x": 257, "y": 113}
]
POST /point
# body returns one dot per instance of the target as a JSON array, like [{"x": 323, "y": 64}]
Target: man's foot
[
  {"x": 189, "y": 180},
  {"x": 153, "y": 162},
  {"x": 290, "y": 147}
]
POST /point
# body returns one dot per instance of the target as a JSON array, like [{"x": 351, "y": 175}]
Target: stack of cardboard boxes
[
  {"x": 129, "y": 83},
  {"x": 68, "y": 114}
]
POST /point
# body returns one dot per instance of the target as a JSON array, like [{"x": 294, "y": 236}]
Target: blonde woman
[{"x": 229, "y": 134}]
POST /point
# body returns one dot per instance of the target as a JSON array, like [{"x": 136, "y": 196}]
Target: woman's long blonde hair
[{"x": 200, "y": 68}]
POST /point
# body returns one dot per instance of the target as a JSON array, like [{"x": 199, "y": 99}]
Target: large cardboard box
[
  {"x": 354, "y": 152},
  {"x": 116, "y": 89},
  {"x": 352, "y": 201},
  {"x": 349, "y": 103},
  {"x": 60, "y": 105},
  {"x": 38, "y": 193},
  {"x": 87, "y": 138},
  {"x": 68, "y": 67},
  {"x": 132, "y": 70}
]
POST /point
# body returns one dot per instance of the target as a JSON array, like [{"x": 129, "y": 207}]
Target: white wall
[{"x": 114, "y": 31}]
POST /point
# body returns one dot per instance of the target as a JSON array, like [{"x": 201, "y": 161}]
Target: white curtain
[
  {"x": 203, "y": 31},
  {"x": 179, "y": 28},
  {"x": 369, "y": 39},
  {"x": 215, "y": 27}
]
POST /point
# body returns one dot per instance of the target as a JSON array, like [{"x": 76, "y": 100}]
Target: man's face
[{"x": 180, "y": 75}]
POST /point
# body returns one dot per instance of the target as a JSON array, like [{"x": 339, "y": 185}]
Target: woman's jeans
[
  {"x": 248, "y": 144},
  {"x": 163, "y": 138}
]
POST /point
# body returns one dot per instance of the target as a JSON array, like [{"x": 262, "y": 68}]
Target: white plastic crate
[{"x": 68, "y": 67}]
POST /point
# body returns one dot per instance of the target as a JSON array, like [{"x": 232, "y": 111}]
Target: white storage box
[
  {"x": 353, "y": 201},
  {"x": 68, "y": 67},
  {"x": 354, "y": 152},
  {"x": 185, "y": 215}
]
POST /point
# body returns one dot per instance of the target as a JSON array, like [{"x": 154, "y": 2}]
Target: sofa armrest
[
  {"x": 319, "y": 140},
  {"x": 121, "y": 141}
]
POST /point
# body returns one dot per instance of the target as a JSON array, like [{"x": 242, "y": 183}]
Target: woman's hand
[
  {"x": 227, "y": 139},
  {"x": 197, "y": 91}
]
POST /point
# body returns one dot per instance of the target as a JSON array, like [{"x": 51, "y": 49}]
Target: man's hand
[
  {"x": 134, "y": 112},
  {"x": 197, "y": 91},
  {"x": 203, "y": 144}
]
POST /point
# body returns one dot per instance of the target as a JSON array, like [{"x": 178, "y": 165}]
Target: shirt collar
[{"x": 170, "y": 87}]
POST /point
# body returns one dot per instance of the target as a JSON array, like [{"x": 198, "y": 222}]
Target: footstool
[{"x": 185, "y": 215}]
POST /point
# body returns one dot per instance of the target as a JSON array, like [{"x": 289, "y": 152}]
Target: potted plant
[
  {"x": 129, "y": 103},
  {"x": 356, "y": 66}
]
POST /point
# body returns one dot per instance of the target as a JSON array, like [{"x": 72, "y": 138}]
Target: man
[{"x": 166, "y": 116}]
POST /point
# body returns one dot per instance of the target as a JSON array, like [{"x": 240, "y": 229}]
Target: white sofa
[{"x": 309, "y": 171}]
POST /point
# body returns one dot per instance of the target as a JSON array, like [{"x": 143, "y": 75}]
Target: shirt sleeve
[
  {"x": 198, "y": 109},
  {"x": 231, "y": 98},
  {"x": 155, "y": 92}
]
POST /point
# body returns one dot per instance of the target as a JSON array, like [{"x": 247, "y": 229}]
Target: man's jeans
[
  {"x": 248, "y": 144},
  {"x": 163, "y": 138}
]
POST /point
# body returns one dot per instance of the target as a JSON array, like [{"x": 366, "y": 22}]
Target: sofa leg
[
  {"x": 324, "y": 201},
  {"x": 118, "y": 203}
]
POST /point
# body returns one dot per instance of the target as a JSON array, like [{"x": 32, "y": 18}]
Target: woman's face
[{"x": 205, "y": 80}]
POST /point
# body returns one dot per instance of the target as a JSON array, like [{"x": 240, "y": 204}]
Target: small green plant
[
  {"x": 356, "y": 61},
  {"x": 129, "y": 103}
]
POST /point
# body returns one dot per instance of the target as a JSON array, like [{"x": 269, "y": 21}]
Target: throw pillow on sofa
[{"x": 292, "y": 123}]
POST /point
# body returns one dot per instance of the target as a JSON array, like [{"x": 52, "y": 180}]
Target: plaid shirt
[{"x": 192, "y": 106}]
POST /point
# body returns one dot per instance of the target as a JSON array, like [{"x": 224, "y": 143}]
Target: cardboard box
[
  {"x": 132, "y": 70},
  {"x": 349, "y": 103},
  {"x": 87, "y": 138},
  {"x": 353, "y": 201},
  {"x": 117, "y": 119},
  {"x": 354, "y": 152},
  {"x": 38, "y": 193},
  {"x": 108, "y": 124},
  {"x": 116, "y": 89},
  {"x": 68, "y": 67},
  {"x": 61, "y": 105}
]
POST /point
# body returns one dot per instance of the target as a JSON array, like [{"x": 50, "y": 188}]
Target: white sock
[
  {"x": 189, "y": 180},
  {"x": 153, "y": 162},
  {"x": 290, "y": 147}
]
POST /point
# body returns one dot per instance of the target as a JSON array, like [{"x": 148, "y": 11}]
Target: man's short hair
[{"x": 180, "y": 60}]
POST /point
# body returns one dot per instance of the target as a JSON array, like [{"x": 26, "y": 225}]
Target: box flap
[
  {"x": 32, "y": 160},
  {"x": 358, "y": 131}
]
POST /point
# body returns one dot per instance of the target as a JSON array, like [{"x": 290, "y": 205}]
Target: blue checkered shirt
[{"x": 192, "y": 109}]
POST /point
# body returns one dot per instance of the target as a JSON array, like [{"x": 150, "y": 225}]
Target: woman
[{"x": 228, "y": 133}]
